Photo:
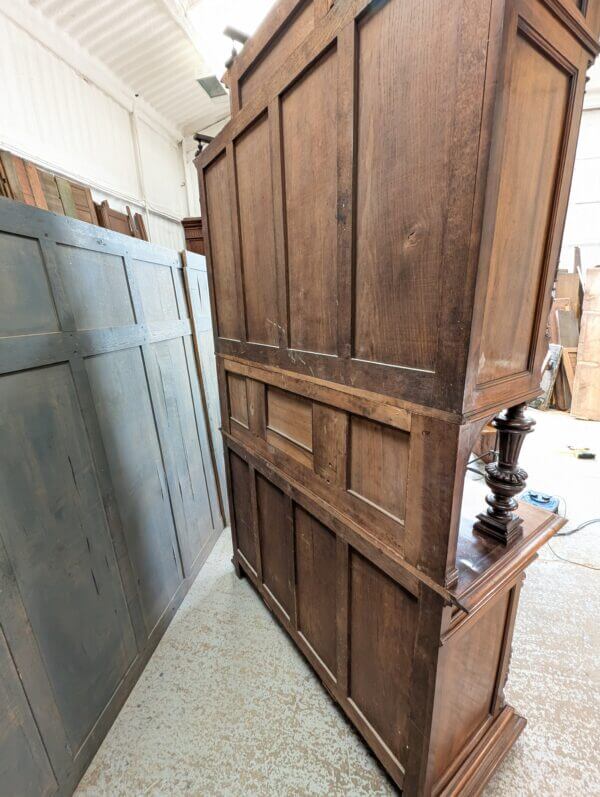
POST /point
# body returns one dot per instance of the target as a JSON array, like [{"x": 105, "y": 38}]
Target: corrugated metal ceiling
[{"x": 146, "y": 44}]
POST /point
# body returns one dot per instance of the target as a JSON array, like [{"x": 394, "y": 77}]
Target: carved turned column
[{"x": 505, "y": 478}]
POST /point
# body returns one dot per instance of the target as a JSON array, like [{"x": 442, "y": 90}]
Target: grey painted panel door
[{"x": 58, "y": 545}]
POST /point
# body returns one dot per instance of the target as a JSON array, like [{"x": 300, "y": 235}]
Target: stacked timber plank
[{"x": 25, "y": 182}]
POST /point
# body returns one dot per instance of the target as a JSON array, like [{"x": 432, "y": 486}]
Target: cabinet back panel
[
  {"x": 309, "y": 163},
  {"x": 402, "y": 178},
  {"x": 242, "y": 510},
  {"x": 257, "y": 237},
  {"x": 275, "y": 542},
  {"x": 221, "y": 246}
]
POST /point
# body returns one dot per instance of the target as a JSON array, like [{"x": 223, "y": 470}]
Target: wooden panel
[
  {"x": 126, "y": 418},
  {"x": 257, "y": 407},
  {"x": 97, "y": 288},
  {"x": 289, "y": 417},
  {"x": 468, "y": 666},
  {"x": 316, "y": 573},
  {"x": 221, "y": 248},
  {"x": 586, "y": 389},
  {"x": 157, "y": 291},
  {"x": 84, "y": 204},
  {"x": 255, "y": 200},
  {"x": 331, "y": 444},
  {"x": 51, "y": 192},
  {"x": 185, "y": 436},
  {"x": 402, "y": 177},
  {"x": 238, "y": 399},
  {"x": 379, "y": 465},
  {"x": 59, "y": 547},
  {"x": 25, "y": 770},
  {"x": 310, "y": 203},
  {"x": 275, "y": 534},
  {"x": 242, "y": 509},
  {"x": 26, "y": 304},
  {"x": 285, "y": 42},
  {"x": 538, "y": 94},
  {"x": 381, "y": 651}
]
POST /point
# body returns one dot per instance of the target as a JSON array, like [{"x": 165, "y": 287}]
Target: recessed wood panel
[
  {"x": 221, "y": 249},
  {"x": 468, "y": 669},
  {"x": 255, "y": 201},
  {"x": 135, "y": 459},
  {"x": 58, "y": 544},
  {"x": 383, "y": 622},
  {"x": 538, "y": 93},
  {"x": 25, "y": 770},
  {"x": 157, "y": 291},
  {"x": 290, "y": 416},
  {"x": 242, "y": 509},
  {"x": 330, "y": 444},
  {"x": 379, "y": 465},
  {"x": 292, "y": 34},
  {"x": 316, "y": 573},
  {"x": 26, "y": 305},
  {"x": 275, "y": 534},
  {"x": 402, "y": 177},
  {"x": 310, "y": 205},
  {"x": 97, "y": 287},
  {"x": 290, "y": 424},
  {"x": 238, "y": 398}
]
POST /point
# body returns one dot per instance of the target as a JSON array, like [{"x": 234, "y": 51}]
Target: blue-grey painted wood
[{"x": 108, "y": 493}]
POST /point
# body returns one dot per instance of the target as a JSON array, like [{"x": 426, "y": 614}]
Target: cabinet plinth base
[{"x": 481, "y": 763}]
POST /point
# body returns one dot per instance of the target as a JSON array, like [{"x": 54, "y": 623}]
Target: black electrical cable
[{"x": 577, "y": 528}]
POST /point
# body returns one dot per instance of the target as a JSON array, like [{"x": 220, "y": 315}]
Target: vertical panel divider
[
  {"x": 92, "y": 424},
  {"x": 342, "y": 619},
  {"x": 346, "y": 127},
  {"x": 238, "y": 257},
  {"x": 255, "y": 522},
  {"x": 278, "y": 183}
]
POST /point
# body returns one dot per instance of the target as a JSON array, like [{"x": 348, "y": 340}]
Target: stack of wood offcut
[
  {"x": 571, "y": 377},
  {"x": 23, "y": 181}
]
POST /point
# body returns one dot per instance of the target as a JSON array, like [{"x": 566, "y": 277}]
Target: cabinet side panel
[
  {"x": 537, "y": 104},
  {"x": 309, "y": 130},
  {"x": 468, "y": 668},
  {"x": 221, "y": 245},
  {"x": 404, "y": 147},
  {"x": 255, "y": 201}
]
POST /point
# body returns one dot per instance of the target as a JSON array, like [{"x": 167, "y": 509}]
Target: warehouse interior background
[{"x": 106, "y": 94}]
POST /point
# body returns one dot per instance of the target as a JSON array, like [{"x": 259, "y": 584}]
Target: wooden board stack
[{"x": 383, "y": 218}]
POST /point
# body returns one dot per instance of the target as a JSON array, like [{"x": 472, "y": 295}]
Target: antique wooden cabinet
[{"x": 384, "y": 213}]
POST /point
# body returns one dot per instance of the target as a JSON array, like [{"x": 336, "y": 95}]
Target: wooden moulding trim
[
  {"x": 479, "y": 766},
  {"x": 501, "y": 573},
  {"x": 393, "y": 411},
  {"x": 573, "y": 19},
  {"x": 383, "y": 556}
]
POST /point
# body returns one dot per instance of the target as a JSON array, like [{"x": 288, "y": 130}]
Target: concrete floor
[{"x": 227, "y": 706}]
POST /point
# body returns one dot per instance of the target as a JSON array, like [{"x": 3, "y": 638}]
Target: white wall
[
  {"x": 583, "y": 218},
  {"x": 63, "y": 110}
]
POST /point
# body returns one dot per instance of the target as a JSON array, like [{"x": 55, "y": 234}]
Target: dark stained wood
[
  {"x": 381, "y": 693},
  {"x": 194, "y": 235},
  {"x": 242, "y": 509},
  {"x": 316, "y": 570},
  {"x": 275, "y": 534},
  {"x": 407, "y": 233}
]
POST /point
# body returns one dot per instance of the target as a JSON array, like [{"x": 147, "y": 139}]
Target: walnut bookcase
[{"x": 383, "y": 218}]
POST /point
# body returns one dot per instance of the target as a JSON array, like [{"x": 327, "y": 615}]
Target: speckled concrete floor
[{"x": 227, "y": 706}]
